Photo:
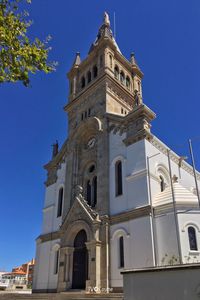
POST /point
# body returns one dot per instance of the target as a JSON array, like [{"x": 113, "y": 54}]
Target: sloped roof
[{"x": 181, "y": 195}]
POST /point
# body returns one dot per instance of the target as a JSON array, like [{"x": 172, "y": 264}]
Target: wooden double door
[{"x": 80, "y": 261}]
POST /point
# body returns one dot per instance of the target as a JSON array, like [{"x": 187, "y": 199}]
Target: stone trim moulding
[
  {"x": 130, "y": 215},
  {"x": 48, "y": 207},
  {"x": 137, "y": 174},
  {"x": 50, "y": 236}
]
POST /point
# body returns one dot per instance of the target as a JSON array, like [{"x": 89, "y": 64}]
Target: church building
[{"x": 116, "y": 196}]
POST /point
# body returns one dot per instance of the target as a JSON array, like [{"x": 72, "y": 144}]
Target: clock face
[{"x": 91, "y": 143}]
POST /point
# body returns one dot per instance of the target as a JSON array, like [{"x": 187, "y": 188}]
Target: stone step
[{"x": 61, "y": 296}]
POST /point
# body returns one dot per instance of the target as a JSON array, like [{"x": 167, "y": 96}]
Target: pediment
[{"x": 80, "y": 210}]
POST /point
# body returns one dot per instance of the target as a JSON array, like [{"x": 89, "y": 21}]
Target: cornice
[
  {"x": 48, "y": 207},
  {"x": 174, "y": 157},
  {"x": 130, "y": 215},
  {"x": 137, "y": 174},
  {"x": 49, "y": 236}
]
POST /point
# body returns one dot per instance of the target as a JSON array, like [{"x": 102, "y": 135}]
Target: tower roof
[{"x": 104, "y": 32}]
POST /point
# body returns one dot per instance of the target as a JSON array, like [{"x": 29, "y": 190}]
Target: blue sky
[{"x": 164, "y": 36}]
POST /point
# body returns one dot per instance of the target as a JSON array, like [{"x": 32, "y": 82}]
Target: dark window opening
[
  {"x": 83, "y": 82},
  {"x": 192, "y": 238},
  {"x": 118, "y": 178},
  {"x": 82, "y": 116},
  {"x": 89, "y": 112},
  {"x": 110, "y": 56},
  {"x": 95, "y": 71},
  {"x": 88, "y": 192},
  {"x": 122, "y": 111},
  {"x": 162, "y": 184},
  {"x": 60, "y": 202},
  {"x": 94, "y": 187},
  {"x": 85, "y": 114},
  {"x": 89, "y": 76},
  {"x": 56, "y": 262},
  {"x": 116, "y": 72},
  {"x": 121, "y": 252},
  {"x": 122, "y": 77},
  {"x": 91, "y": 169},
  {"x": 128, "y": 82}
]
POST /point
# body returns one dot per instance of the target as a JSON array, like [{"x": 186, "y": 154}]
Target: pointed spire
[
  {"x": 77, "y": 60},
  {"x": 104, "y": 32}
]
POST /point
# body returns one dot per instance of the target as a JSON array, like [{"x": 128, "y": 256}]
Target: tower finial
[
  {"x": 77, "y": 60},
  {"x": 106, "y": 19}
]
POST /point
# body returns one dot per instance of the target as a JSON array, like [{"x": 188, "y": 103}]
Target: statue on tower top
[{"x": 106, "y": 19}]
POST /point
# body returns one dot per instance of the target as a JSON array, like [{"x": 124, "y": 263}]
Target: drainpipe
[{"x": 107, "y": 256}]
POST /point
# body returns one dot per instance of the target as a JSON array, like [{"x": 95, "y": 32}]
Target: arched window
[
  {"x": 162, "y": 184},
  {"x": 122, "y": 77},
  {"x": 121, "y": 252},
  {"x": 89, "y": 76},
  {"x": 88, "y": 192},
  {"x": 94, "y": 191},
  {"x": 116, "y": 72},
  {"x": 118, "y": 178},
  {"x": 110, "y": 58},
  {"x": 82, "y": 82},
  {"x": 128, "y": 83},
  {"x": 192, "y": 238},
  {"x": 95, "y": 71},
  {"x": 60, "y": 203},
  {"x": 56, "y": 261}
]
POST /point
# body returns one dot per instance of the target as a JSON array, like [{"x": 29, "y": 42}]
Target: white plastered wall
[
  {"x": 51, "y": 222},
  {"x": 44, "y": 273},
  {"x": 137, "y": 247},
  {"x": 135, "y": 189}
]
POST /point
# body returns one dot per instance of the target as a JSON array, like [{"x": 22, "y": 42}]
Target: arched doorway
[{"x": 80, "y": 261}]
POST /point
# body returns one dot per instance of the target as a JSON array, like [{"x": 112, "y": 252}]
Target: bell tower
[{"x": 104, "y": 82}]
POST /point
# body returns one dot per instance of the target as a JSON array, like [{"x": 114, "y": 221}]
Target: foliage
[{"x": 18, "y": 55}]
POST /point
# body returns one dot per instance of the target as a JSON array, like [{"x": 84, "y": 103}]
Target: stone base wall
[{"x": 174, "y": 283}]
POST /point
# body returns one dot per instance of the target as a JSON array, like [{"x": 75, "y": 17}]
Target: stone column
[
  {"x": 94, "y": 266},
  {"x": 65, "y": 269}
]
